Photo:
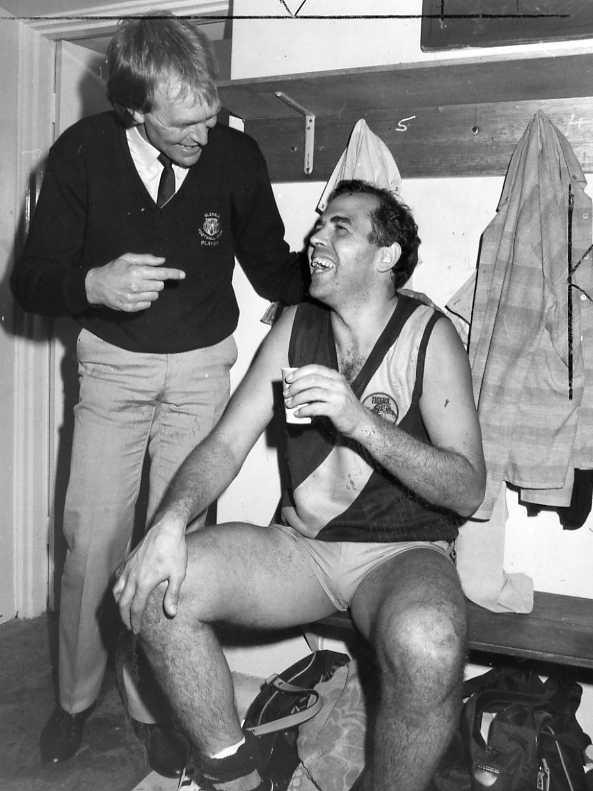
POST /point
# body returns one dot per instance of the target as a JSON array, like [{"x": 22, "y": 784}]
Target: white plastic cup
[{"x": 291, "y": 417}]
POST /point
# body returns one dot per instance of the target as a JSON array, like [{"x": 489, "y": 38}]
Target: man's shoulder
[
  {"x": 311, "y": 322},
  {"x": 311, "y": 308},
  {"x": 416, "y": 298},
  {"x": 95, "y": 131},
  {"x": 232, "y": 143}
]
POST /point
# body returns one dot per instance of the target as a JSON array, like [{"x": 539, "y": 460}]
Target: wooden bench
[{"x": 558, "y": 630}]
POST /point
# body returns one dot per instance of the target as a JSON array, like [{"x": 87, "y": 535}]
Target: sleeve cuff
[{"x": 75, "y": 292}]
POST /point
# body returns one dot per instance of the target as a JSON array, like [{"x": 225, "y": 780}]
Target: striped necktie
[{"x": 167, "y": 182}]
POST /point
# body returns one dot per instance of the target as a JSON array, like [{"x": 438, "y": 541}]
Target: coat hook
[
  {"x": 309, "y": 129},
  {"x": 475, "y": 127}
]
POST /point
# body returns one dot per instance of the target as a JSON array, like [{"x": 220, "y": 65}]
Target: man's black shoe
[
  {"x": 62, "y": 735},
  {"x": 166, "y": 749}
]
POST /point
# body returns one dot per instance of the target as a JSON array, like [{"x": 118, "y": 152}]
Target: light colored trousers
[{"x": 130, "y": 404}]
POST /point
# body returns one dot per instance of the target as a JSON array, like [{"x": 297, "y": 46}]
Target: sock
[
  {"x": 227, "y": 751},
  {"x": 231, "y": 771}
]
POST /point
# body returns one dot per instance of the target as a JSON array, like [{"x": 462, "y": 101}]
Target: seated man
[{"x": 379, "y": 482}]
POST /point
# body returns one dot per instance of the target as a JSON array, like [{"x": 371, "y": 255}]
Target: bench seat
[{"x": 559, "y": 630}]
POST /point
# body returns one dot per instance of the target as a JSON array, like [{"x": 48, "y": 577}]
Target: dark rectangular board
[{"x": 454, "y": 24}]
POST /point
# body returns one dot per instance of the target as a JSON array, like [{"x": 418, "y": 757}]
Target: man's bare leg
[
  {"x": 412, "y": 611},
  {"x": 238, "y": 574}
]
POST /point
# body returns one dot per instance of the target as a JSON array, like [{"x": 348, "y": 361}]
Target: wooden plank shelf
[
  {"x": 559, "y": 630},
  {"x": 439, "y": 118}
]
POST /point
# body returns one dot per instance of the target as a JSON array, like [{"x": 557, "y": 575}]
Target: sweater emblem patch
[
  {"x": 384, "y": 405},
  {"x": 211, "y": 229}
]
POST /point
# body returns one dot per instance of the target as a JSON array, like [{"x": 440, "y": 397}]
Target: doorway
[{"x": 50, "y": 100}]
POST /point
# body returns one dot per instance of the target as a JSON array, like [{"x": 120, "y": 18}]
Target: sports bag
[
  {"x": 285, "y": 701},
  {"x": 517, "y": 733}
]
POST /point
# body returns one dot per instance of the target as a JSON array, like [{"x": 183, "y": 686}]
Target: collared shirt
[{"x": 145, "y": 158}]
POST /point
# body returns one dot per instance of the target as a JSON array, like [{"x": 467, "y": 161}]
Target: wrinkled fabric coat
[{"x": 531, "y": 363}]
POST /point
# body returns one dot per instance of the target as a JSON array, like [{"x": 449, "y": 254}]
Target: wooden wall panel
[
  {"x": 464, "y": 117},
  {"x": 447, "y": 140},
  {"x": 464, "y": 81}
]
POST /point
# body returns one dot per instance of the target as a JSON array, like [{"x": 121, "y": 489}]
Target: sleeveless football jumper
[{"x": 334, "y": 491}]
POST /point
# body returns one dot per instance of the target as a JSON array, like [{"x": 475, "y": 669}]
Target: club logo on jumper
[
  {"x": 383, "y": 405},
  {"x": 211, "y": 229}
]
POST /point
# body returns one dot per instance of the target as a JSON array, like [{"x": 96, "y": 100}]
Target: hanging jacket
[{"x": 531, "y": 332}]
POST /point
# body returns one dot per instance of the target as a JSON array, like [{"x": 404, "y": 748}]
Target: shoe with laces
[
  {"x": 212, "y": 774},
  {"x": 62, "y": 735},
  {"x": 166, "y": 748},
  {"x": 187, "y": 782}
]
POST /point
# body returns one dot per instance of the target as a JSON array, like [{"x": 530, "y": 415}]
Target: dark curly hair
[
  {"x": 391, "y": 222},
  {"x": 146, "y": 50}
]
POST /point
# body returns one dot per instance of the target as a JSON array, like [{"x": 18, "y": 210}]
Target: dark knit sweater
[{"x": 94, "y": 207}]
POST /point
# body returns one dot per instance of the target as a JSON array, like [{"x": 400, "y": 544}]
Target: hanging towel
[
  {"x": 480, "y": 544},
  {"x": 480, "y": 564},
  {"x": 366, "y": 157},
  {"x": 528, "y": 360}
]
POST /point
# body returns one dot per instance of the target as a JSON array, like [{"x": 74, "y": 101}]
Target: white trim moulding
[{"x": 101, "y": 19}]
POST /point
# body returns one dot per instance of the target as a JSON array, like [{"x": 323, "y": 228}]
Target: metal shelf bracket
[{"x": 309, "y": 129}]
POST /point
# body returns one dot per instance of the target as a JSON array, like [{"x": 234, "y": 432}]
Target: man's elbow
[
  {"x": 230, "y": 456},
  {"x": 473, "y": 494},
  {"x": 31, "y": 293},
  {"x": 17, "y": 287}
]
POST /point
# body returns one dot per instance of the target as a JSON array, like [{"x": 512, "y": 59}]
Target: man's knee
[
  {"x": 154, "y": 617},
  {"x": 159, "y": 629},
  {"x": 199, "y": 594},
  {"x": 422, "y": 647}
]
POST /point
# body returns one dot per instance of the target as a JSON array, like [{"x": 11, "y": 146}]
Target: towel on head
[{"x": 366, "y": 157}]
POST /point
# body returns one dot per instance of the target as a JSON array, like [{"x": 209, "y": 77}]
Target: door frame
[
  {"x": 101, "y": 20},
  {"x": 29, "y": 522}
]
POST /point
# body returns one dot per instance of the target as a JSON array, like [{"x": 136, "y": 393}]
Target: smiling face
[
  {"x": 178, "y": 124},
  {"x": 341, "y": 257}
]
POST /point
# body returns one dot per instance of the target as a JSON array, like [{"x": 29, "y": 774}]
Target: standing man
[
  {"x": 378, "y": 484},
  {"x": 141, "y": 214}
]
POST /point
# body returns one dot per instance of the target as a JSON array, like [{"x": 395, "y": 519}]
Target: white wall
[
  {"x": 451, "y": 214},
  {"x": 303, "y": 45}
]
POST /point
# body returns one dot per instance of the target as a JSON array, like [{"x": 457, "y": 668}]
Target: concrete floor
[{"x": 110, "y": 758}]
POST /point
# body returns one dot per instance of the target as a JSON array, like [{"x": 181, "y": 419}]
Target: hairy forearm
[
  {"x": 202, "y": 477},
  {"x": 443, "y": 477}
]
